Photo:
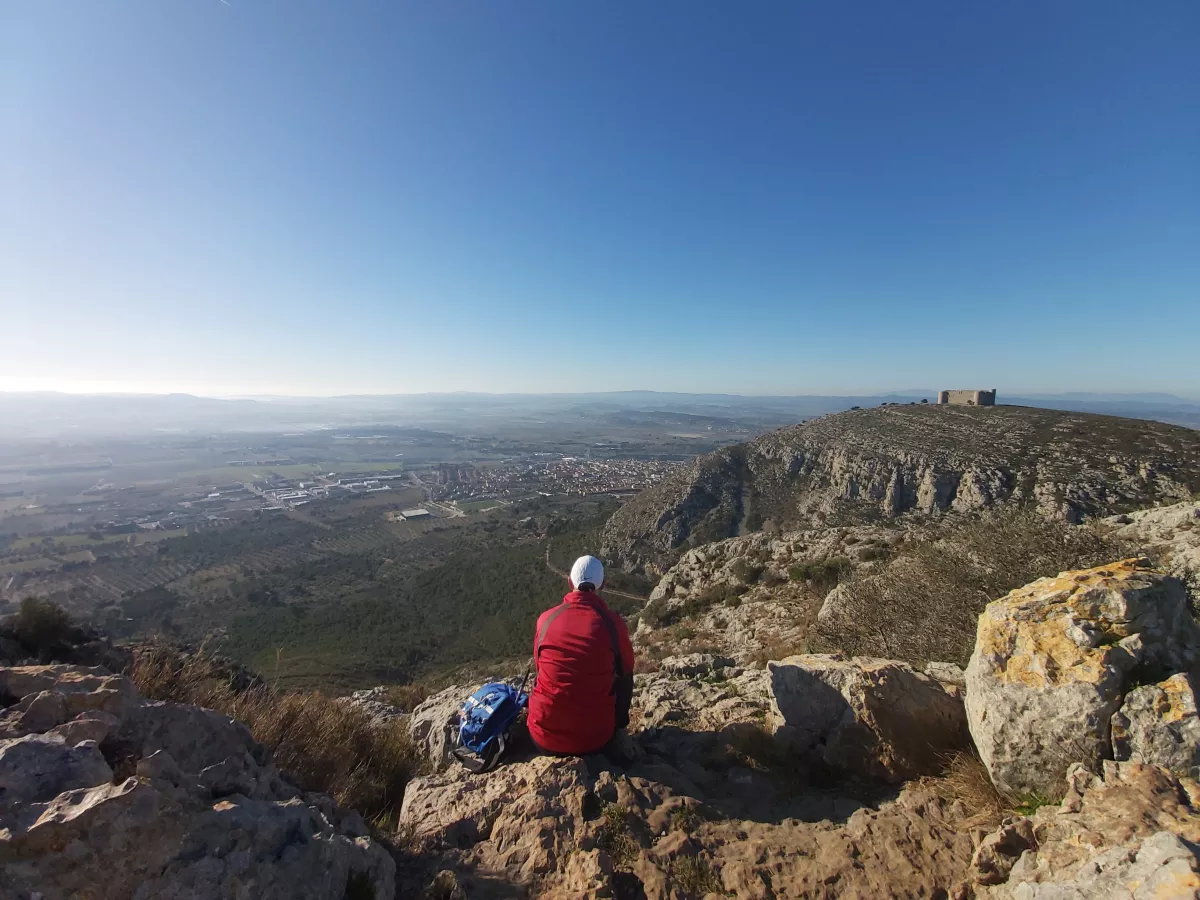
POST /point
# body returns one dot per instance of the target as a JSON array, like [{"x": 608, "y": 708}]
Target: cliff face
[{"x": 866, "y": 465}]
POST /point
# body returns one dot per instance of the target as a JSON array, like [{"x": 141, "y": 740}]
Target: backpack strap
[{"x": 618, "y": 663}]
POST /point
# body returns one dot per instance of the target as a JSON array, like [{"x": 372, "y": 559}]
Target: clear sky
[{"x": 292, "y": 196}]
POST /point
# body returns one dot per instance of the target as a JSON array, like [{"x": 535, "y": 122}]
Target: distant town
[{"x": 108, "y": 521}]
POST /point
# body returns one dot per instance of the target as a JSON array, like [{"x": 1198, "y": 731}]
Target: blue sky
[{"x": 288, "y": 196}]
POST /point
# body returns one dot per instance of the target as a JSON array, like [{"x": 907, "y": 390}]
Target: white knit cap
[{"x": 587, "y": 570}]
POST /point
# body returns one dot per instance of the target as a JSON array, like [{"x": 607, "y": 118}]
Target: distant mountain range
[{"x": 48, "y": 414}]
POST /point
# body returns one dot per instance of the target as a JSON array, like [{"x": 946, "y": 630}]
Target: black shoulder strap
[{"x": 618, "y": 663}]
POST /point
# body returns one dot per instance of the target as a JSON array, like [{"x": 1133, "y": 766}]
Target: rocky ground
[
  {"x": 1170, "y": 534},
  {"x": 893, "y": 461},
  {"x": 742, "y": 598},
  {"x": 798, "y": 776},
  {"x": 705, "y": 799},
  {"x": 106, "y": 795},
  {"x": 817, "y": 776}
]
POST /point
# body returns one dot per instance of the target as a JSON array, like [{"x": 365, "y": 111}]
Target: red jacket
[{"x": 576, "y": 706}]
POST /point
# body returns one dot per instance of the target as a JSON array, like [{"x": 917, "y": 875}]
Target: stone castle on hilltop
[{"x": 967, "y": 398}]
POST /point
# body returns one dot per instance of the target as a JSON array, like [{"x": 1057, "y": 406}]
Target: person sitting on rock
[{"x": 584, "y": 664}]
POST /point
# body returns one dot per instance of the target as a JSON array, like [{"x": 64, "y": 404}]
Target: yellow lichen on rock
[
  {"x": 1053, "y": 661},
  {"x": 1179, "y": 700},
  {"x": 1050, "y": 647}
]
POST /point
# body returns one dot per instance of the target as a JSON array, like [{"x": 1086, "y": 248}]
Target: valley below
[{"x": 898, "y": 652}]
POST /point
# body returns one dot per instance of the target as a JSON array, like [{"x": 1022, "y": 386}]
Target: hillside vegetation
[
  {"x": 360, "y": 603},
  {"x": 923, "y": 607},
  {"x": 877, "y": 464}
]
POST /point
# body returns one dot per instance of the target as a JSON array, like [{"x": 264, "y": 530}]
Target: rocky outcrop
[
  {"x": 1169, "y": 534},
  {"x": 698, "y": 665},
  {"x": 1053, "y": 661},
  {"x": 429, "y": 722},
  {"x": 1158, "y": 724},
  {"x": 773, "y": 783},
  {"x": 1129, "y": 833},
  {"x": 873, "y": 717},
  {"x": 767, "y": 558},
  {"x": 106, "y": 795},
  {"x": 897, "y": 460},
  {"x": 373, "y": 702},
  {"x": 756, "y": 596},
  {"x": 705, "y": 802}
]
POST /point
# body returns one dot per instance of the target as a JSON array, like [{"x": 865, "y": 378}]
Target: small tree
[{"x": 40, "y": 626}]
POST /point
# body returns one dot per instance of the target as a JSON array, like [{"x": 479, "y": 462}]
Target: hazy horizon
[
  {"x": 291, "y": 197},
  {"x": 881, "y": 392}
]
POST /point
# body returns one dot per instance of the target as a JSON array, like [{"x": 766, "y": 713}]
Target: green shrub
[
  {"x": 1028, "y": 804},
  {"x": 694, "y": 878},
  {"x": 614, "y": 837},
  {"x": 655, "y": 614},
  {"x": 745, "y": 572},
  {"x": 40, "y": 627},
  {"x": 823, "y": 574},
  {"x": 684, "y": 818}
]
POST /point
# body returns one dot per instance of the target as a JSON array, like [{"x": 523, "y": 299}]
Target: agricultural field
[{"x": 470, "y": 506}]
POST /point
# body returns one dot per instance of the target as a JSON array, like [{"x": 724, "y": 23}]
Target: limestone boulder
[
  {"x": 429, "y": 722},
  {"x": 196, "y": 738},
  {"x": 90, "y": 725},
  {"x": 36, "y": 768},
  {"x": 202, "y": 813},
  {"x": 1170, "y": 533},
  {"x": 947, "y": 673},
  {"x": 1158, "y": 724},
  {"x": 834, "y": 607},
  {"x": 869, "y": 716},
  {"x": 659, "y": 700},
  {"x": 522, "y": 816},
  {"x": 289, "y": 848},
  {"x": 373, "y": 702},
  {"x": 1129, "y": 833},
  {"x": 53, "y": 695},
  {"x": 1051, "y": 665}
]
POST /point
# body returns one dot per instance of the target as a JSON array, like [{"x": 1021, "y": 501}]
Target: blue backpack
[{"x": 481, "y": 731}]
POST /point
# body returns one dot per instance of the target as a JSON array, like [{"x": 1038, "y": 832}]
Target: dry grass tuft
[
  {"x": 407, "y": 697},
  {"x": 966, "y": 779},
  {"x": 324, "y": 745},
  {"x": 925, "y": 606},
  {"x": 776, "y": 648}
]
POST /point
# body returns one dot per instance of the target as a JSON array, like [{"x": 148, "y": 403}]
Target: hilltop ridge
[{"x": 871, "y": 464}]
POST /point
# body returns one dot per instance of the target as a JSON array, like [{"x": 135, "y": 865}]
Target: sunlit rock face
[{"x": 1053, "y": 661}]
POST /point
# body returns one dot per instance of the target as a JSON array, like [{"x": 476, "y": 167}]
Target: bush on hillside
[
  {"x": 823, "y": 574},
  {"x": 323, "y": 744},
  {"x": 926, "y": 604},
  {"x": 41, "y": 627},
  {"x": 745, "y": 572},
  {"x": 657, "y": 614}
]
